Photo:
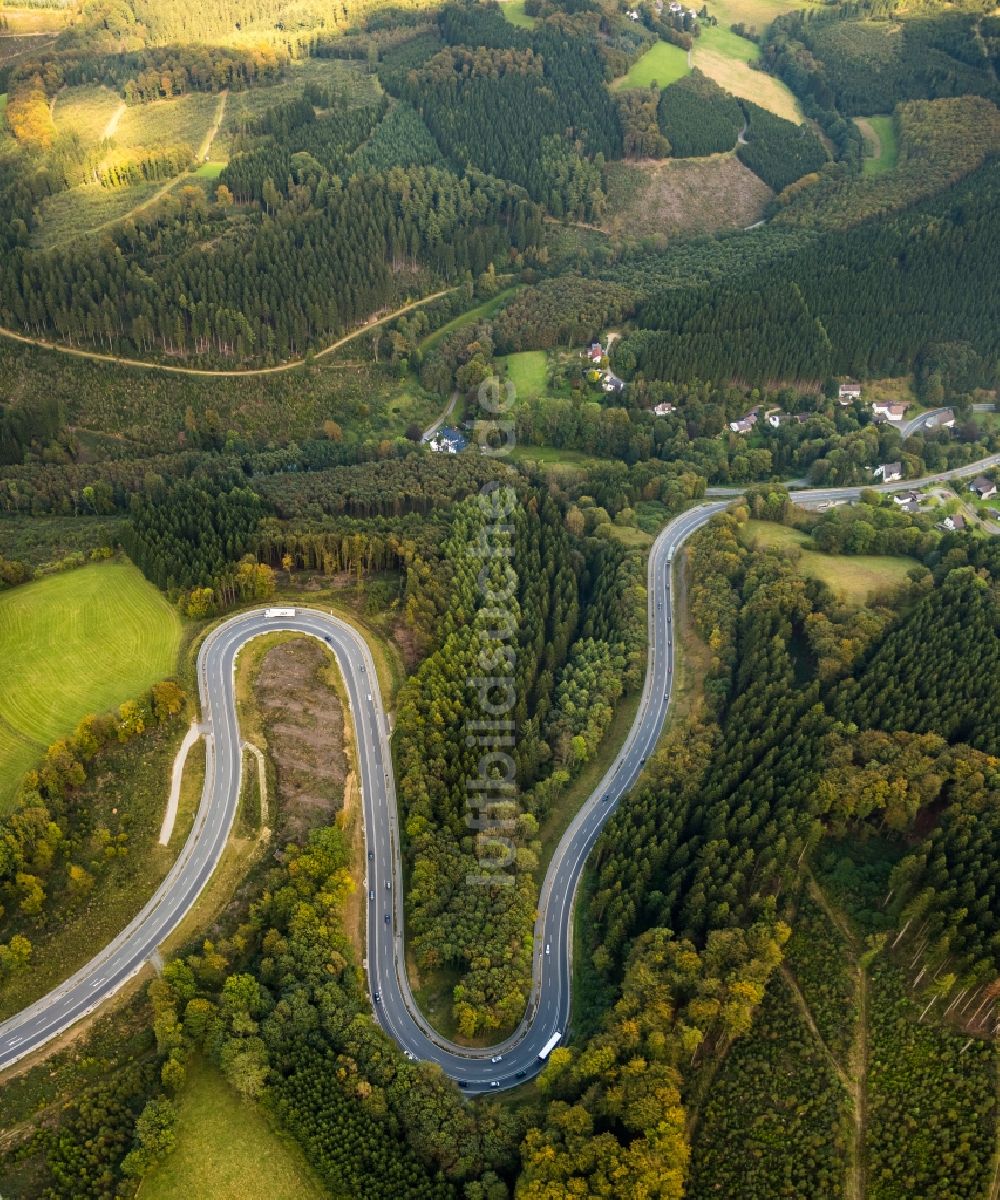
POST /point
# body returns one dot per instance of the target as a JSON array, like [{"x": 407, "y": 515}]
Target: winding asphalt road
[{"x": 501, "y": 1066}]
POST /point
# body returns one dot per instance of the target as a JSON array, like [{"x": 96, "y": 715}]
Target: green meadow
[
  {"x": 71, "y": 644},
  {"x": 662, "y": 64}
]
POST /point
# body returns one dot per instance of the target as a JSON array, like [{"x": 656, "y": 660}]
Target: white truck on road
[{"x": 549, "y": 1046}]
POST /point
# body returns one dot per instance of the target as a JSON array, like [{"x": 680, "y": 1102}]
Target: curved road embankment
[{"x": 477, "y": 1070}]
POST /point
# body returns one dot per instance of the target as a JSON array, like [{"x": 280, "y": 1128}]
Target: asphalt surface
[
  {"x": 928, "y": 420},
  {"x": 395, "y": 1010}
]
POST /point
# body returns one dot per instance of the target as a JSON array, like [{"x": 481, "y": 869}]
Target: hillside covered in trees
[{"x": 787, "y": 936}]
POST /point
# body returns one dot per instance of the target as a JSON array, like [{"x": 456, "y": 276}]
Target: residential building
[
  {"x": 984, "y": 488},
  {"x": 611, "y": 383},
  {"x": 596, "y": 352},
  {"x": 945, "y": 419},
  {"x": 889, "y": 472},
  {"x": 448, "y": 441},
  {"x": 664, "y": 409},
  {"x": 848, "y": 392},
  {"x": 891, "y": 412},
  {"x": 953, "y": 524}
]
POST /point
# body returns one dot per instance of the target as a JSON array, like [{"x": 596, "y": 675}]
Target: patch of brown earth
[
  {"x": 656, "y": 198},
  {"x": 304, "y": 723}
]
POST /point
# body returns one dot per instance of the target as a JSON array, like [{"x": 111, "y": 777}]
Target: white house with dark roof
[
  {"x": 891, "y": 412},
  {"x": 889, "y": 472}
]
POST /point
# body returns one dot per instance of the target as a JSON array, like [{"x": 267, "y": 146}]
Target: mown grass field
[
  {"x": 856, "y": 577},
  {"x": 725, "y": 57},
  {"x": 513, "y": 10},
  {"x": 210, "y": 170},
  {"x": 662, "y": 64},
  {"x": 227, "y": 1149},
  {"x": 753, "y": 12},
  {"x": 528, "y": 372},
  {"x": 555, "y": 456},
  {"x": 72, "y": 644},
  {"x": 881, "y": 144}
]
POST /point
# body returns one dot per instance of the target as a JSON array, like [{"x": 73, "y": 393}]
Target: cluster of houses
[
  {"x": 773, "y": 416},
  {"x": 673, "y": 7},
  {"x": 886, "y": 411},
  {"x": 609, "y": 381}
]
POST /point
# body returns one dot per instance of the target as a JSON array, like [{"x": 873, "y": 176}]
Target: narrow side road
[{"x": 249, "y": 372}]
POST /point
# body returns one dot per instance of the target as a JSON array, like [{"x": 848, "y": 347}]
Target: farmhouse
[
  {"x": 905, "y": 499},
  {"x": 891, "y": 412},
  {"x": 448, "y": 441},
  {"x": 746, "y": 422},
  {"x": 984, "y": 488},
  {"x": 848, "y": 392},
  {"x": 889, "y": 472}
]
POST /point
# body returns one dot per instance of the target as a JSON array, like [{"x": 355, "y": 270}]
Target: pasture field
[
  {"x": 513, "y": 10},
  {"x": 754, "y": 12},
  {"x": 88, "y": 111},
  {"x": 725, "y": 57},
  {"x": 528, "y": 372},
  {"x": 227, "y": 1149},
  {"x": 72, "y": 644},
  {"x": 881, "y": 144},
  {"x": 210, "y": 170},
  {"x": 663, "y": 64},
  {"x": 556, "y": 457},
  {"x": 857, "y": 577},
  {"x": 3, "y": 104}
]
